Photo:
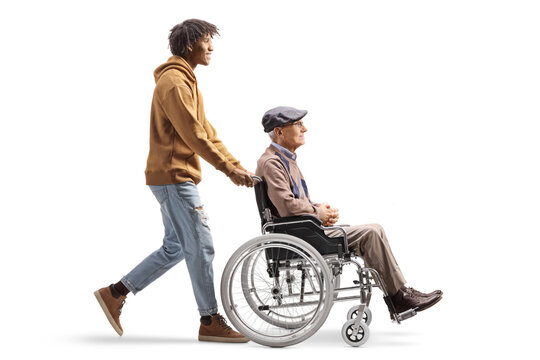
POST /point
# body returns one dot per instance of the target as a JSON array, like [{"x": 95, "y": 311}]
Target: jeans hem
[
  {"x": 129, "y": 285},
  {"x": 208, "y": 312}
]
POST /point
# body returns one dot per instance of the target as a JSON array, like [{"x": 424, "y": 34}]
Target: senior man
[{"x": 289, "y": 194}]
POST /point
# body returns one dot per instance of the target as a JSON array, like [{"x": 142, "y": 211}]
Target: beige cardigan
[{"x": 287, "y": 188}]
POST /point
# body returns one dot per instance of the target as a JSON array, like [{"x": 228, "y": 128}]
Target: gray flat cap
[{"x": 280, "y": 116}]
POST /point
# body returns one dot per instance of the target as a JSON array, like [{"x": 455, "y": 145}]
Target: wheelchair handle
[{"x": 255, "y": 177}]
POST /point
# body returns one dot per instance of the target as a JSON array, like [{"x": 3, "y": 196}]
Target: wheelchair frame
[{"x": 317, "y": 266}]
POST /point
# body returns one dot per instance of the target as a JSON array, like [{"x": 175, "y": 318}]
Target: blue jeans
[{"x": 187, "y": 236}]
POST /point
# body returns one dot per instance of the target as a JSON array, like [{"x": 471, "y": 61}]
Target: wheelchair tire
[
  {"x": 353, "y": 313},
  {"x": 355, "y": 340},
  {"x": 277, "y": 302}
]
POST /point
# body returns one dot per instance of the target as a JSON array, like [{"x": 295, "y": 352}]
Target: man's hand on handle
[{"x": 241, "y": 178}]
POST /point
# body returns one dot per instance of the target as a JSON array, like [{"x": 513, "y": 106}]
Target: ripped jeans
[{"x": 187, "y": 236}]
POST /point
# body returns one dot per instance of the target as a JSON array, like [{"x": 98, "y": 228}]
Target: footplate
[
  {"x": 405, "y": 315},
  {"x": 399, "y": 317}
]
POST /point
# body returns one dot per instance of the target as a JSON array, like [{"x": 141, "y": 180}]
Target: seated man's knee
[
  {"x": 373, "y": 237},
  {"x": 376, "y": 229}
]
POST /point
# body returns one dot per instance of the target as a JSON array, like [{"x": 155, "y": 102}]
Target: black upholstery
[
  {"x": 263, "y": 202},
  {"x": 308, "y": 230}
]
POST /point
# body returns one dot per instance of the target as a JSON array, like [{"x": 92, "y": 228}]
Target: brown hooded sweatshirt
[{"x": 179, "y": 130}]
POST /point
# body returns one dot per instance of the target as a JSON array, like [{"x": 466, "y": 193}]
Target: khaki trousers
[{"x": 370, "y": 243}]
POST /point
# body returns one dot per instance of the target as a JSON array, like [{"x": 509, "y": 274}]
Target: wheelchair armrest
[
  {"x": 292, "y": 220},
  {"x": 310, "y": 229},
  {"x": 312, "y": 218}
]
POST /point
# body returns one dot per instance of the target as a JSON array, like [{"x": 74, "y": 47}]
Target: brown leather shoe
[
  {"x": 419, "y": 293},
  {"x": 405, "y": 300},
  {"x": 216, "y": 329},
  {"x": 111, "y": 305}
]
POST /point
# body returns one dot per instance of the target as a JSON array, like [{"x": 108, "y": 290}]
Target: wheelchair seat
[{"x": 306, "y": 227}]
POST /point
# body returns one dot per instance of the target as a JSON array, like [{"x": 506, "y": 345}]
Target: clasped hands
[{"x": 328, "y": 215}]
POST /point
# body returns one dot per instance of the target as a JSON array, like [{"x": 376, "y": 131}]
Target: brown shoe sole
[
  {"x": 223, "y": 339},
  {"x": 418, "y": 310},
  {"x": 430, "y": 305},
  {"x": 107, "y": 313}
]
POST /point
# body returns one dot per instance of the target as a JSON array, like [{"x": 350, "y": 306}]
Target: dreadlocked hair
[{"x": 187, "y": 33}]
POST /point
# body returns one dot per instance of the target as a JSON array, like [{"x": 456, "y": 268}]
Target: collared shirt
[{"x": 285, "y": 152}]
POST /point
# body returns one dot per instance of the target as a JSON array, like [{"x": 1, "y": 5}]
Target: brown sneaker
[
  {"x": 111, "y": 305},
  {"x": 215, "y": 328}
]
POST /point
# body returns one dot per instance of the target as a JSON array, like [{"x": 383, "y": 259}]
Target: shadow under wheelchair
[{"x": 326, "y": 337}]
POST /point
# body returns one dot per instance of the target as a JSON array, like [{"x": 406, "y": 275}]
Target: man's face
[
  {"x": 291, "y": 136},
  {"x": 202, "y": 51}
]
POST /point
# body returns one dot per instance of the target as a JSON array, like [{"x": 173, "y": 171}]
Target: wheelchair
[{"x": 278, "y": 288}]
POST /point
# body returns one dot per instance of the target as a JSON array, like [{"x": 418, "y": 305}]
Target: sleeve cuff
[{"x": 229, "y": 168}]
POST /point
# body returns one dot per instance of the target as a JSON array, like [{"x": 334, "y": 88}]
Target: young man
[
  {"x": 287, "y": 190},
  {"x": 179, "y": 134}
]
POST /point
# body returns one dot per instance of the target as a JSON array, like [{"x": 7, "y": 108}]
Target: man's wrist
[
  {"x": 319, "y": 212},
  {"x": 229, "y": 169}
]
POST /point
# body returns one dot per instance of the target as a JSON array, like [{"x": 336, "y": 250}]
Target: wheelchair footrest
[{"x": 405, "y": 315}]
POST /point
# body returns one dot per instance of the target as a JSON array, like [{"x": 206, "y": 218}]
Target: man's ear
[{"x": 278, "y": 131}]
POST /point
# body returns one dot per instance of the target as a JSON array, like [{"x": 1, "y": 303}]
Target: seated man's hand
[
  {"x": 329, "y": 216},
  {"x": 241, "y": 178}
]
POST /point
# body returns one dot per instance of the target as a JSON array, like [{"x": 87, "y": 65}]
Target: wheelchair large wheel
[
  {"x": 293, "y": 278},
  {"x": 277, "y": 290},
  {"x": 256, "y": 295}
]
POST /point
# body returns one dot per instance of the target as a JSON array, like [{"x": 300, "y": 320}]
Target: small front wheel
[
  {"x": 352, "y": 337},
  {"x": 353, "y": 313}
]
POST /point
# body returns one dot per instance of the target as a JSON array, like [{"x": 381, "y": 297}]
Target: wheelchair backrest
[{"x": 265, "y": 206}]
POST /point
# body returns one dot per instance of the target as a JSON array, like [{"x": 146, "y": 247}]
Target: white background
[{"x": 422, "y": 117}]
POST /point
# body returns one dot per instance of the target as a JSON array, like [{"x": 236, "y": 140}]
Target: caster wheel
[
  {"x": 355, "y": 340},
  {"x": 353, "y": 313}
]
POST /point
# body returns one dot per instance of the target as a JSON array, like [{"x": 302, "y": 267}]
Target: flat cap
[{"x": 280, "y": 116}]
